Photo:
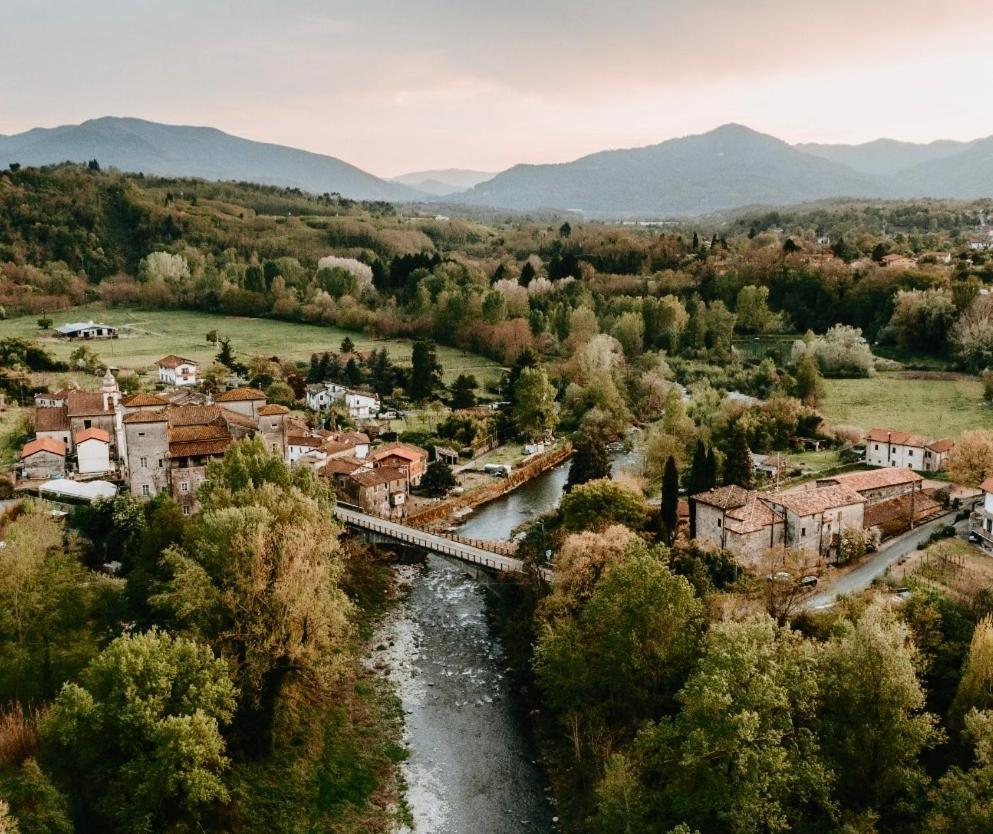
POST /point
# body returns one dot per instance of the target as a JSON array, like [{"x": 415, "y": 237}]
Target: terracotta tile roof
[
  {"x": 382, "y": 475},
  {"x": 272, "y": 410},
  {"x": 84, "y": 403},
  {"x": 173, "y": 361},
  {"x": 342, "y": 466},
  {"x": 987, "y": 485},
  {"x": 898, "y": 510},
  {"x": 305, "y": 440},
  {"x": 193, "y": 415},
  {"x": 43, "y": 444},
  {"x": 234, "y": 418},
  {"x": 940, "y": 446},
  {"x": 806, "y": 501},
  {"x": 240, "y": 395},
  {"x": 91, "y": 434},
  {"x": 874, "y": 478},
  {"x": 898, "y": 438},
  {"x": 401, "y": 450},
  {"x": 196, "y": 448},
  {"x": 724, "y": 498},
  {"x": 47, "y": 418},
  {"x": 213, "y": 431},
  {"x": 356, "y": 438},
  {"x": 144, "y": 400},
  {"x": 156, "y": 416},
  {"x": 752, "y": 516}
]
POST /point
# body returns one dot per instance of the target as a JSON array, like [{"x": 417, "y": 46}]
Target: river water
[{"x": 472, "y": 768}]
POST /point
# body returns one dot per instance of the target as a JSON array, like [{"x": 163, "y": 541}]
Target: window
[
  {"x": 143, "y": 463},
  {"x": 145, "y": 490},
  {"x": 718, "y": 522},
  {"x": 184, "y": 486},
  {"x": 803, "y": 531},
  {"x": 87, "y": 424},
  {"x": 186, "y": 510},
  {"x": 141, "y": 434},
  {"x": 876, "y": 447},
  {"x": 911, "y": 453},
  {"x": 160, "y": 463}
]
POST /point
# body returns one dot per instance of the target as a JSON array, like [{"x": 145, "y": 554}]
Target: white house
[
  {"x": 92, "y": 451},
  {"x": 175, "y": 370},
  {"x": 982, "y": 517},
  {"x": 361, "y": 405},
  {"x": 888, "y": 447},
  {"x": 321, "y": 395}
]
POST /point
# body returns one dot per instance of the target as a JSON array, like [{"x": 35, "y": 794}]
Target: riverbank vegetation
[{"x": 212, "y": 682}]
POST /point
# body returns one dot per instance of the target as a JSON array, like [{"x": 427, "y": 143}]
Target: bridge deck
[{"x": 429, "y": 541}]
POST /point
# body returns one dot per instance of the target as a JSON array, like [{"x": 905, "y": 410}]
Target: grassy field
[
  {"x": 148, "y": 335},
  {"x": 936, "y": 407}
]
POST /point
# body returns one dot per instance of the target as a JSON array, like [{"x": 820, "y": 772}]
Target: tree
[
  {"x": 752, "y": 310},
  {"x": 347, "y": 345},
  {"x": 590, "y": 461},
  {"x": 257, "y": 576},
  {"x": 970, "y": 461},
  {"x": 225, "y": 355},
  {"x": 598, "y": 504},
  {"x": 670, "y": 501},
  {"x": 438, "y": 479},
  {"x": 140, "y": 734},
  {"x": 976, "y": 687},
  {"x": 873, "y": 727},
  {"x": 464, "y": 391},
  {"x": 972, "y": 335},
  {"x": 45, "y": 323},
  {"x": 711, "y": 468},
  {"x": 565, "y": 230},
  {"x": 923, "y": 319},
  {"x": 740, "y": 755},
  {"x": 698, "y": 481},
  {"x": 963, "y": 799},
  {"x": 738, "y": 464},
  {"x": 809, "y": 387},
  {"x": 425, "y": 371},
  {"x": 535, "y": 409},
  {"x": 841, "y": 352}
]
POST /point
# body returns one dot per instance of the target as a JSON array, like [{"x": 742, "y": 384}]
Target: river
[{"x": 472, "y": 767}]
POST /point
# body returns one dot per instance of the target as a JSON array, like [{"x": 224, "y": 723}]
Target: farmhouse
[
  {"x": 43, "y": 458},
  {"x": 816, "y": 516},
  {"x": 86, "y": 330},
  {"x": 878, "y": 485},
  {"x": 891, "y": 447},
  {"x": 361, "y": 405},
  {"x": 175, "y": 370},
  {"x": 244, "y": 401},
  {"x": 737, "y": 520},
  {"x": 981, "y": 521}
]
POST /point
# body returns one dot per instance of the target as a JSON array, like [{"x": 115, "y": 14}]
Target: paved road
[{"x": 861, "y": 577}]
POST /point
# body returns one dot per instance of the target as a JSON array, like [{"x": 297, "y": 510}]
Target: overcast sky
[{"x": 401, "y": 85}]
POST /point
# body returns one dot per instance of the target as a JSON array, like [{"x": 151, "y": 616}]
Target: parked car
[{"x": 808, "y": 582}]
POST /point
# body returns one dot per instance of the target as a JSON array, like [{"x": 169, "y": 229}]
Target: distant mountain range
[
  {"x": 729, "y": 167},
  {"x": 444, "y": 181},
  {"x": 174, "y": 150}
]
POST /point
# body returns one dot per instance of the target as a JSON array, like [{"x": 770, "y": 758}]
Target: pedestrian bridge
[{"x": 491, "y": 555}]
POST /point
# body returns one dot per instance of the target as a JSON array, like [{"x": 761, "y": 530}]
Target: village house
[
  {"x": 381, "y": 491},
  {"x": 77, "y": 411},
  {"x": 737, "y": 520},
  {"x": 43, "y": 458},
  {"x": 92, "y": 451},
  {"x": 981, "y": 520},
  {"x": 895, "y": 261},
  {"x": 175, "y": 370},
  {"x": 890, "y": 447},
  {"x": 895, "y": 498},
  {"x": 815, "y": 516},
  {"x": 245, "y": 401},
  {"x": 877, "y": 485},
  {"x": 169, "y": 448},
  {"x": 321, "y": 395},
  {"x": 413, "y": 460},
  {"x": 86, "y": 330},
  {"x": 361, "y": 405}
]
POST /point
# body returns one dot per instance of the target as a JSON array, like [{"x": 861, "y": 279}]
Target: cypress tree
[
  {"x": 738, "y": 466},
  {"x": 711, "y": 469},
  {"x": 698, "y": 470},
  {"x": 670, "y": 500}
]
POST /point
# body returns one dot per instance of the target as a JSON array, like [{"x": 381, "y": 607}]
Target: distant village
[{"x": 89, "y": 443}]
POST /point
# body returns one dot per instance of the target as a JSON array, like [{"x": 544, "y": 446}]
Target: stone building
[
  {"x": 381, "y": 491},
  {"x": 245, "y": 401},
  {"x": 739, "y": 521},
  {"x": 412, "y": 459},
  {"x": 43, "y": 458}
]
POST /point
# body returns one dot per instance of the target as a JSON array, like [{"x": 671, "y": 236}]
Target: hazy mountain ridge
[
  {"x": 443, "y": 181},
  {"x": 176, "y": 150},
  {"x": 726, "y": 168}
]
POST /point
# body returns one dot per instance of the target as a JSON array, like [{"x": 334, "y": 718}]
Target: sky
[{"x": 402, "y": 85}]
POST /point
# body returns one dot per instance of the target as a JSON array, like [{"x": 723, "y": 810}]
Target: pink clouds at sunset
[{"x": 424, "y": 83}]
